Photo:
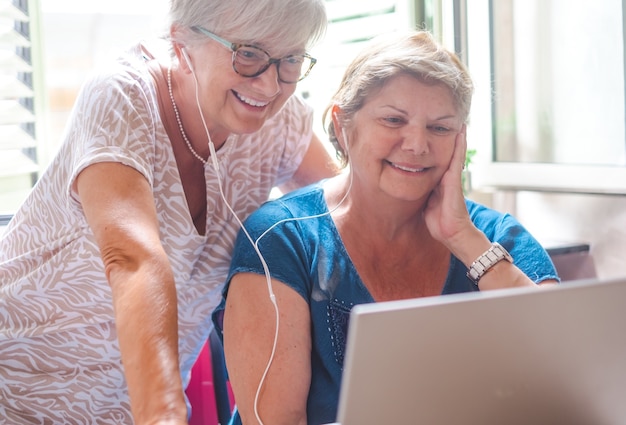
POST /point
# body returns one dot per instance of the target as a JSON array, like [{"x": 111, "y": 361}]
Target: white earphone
[
  {"x": 186, "y": 56},
  {"x": 255, "y": 243}
]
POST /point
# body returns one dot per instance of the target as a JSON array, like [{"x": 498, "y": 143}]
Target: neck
[
  {"x": 202, "y": 129},
  {"x": 190, "y": 146},
  {"x": 362, "y": 211}
]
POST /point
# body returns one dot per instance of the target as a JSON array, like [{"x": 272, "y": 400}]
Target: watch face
[{"x": 505, "y": 253}]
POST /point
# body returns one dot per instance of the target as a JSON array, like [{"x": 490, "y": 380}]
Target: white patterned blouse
[{"x": 59, "y": 356}]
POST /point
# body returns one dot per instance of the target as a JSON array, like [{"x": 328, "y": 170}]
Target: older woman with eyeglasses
[{"x": 111, "y": 268}]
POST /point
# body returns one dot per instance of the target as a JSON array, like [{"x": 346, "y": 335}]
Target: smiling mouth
[
  {"x": 249, "y": 101},
  {"x": 407, "y": 169}
]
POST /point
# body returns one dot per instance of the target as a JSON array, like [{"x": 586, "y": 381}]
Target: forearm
[
  {"x": 146, "y": 318},
  {"x": 120, "y": 209},
  {"x": 470, "y": 244}
]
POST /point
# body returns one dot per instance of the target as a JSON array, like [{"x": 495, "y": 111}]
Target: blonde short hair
[{"x": 415, "y": 53}]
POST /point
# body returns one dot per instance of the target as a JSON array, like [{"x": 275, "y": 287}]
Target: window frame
[
  {"x": 514, "y": 176},
  {"x": 22, "y": 154}
]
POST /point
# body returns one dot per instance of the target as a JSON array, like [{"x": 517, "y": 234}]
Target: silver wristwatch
[{"x": 490, "y": 258}]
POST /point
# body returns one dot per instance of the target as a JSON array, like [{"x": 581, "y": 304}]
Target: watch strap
[{"x": 487, "y": 260}]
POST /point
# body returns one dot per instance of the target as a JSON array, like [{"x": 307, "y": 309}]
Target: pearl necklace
[{"x": 180, "y": 123}]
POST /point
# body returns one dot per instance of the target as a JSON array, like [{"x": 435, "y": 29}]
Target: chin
[{"x": 408, "y": 192}]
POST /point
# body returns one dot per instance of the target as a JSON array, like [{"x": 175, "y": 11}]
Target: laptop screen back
[{"x": 519, "y": 356}]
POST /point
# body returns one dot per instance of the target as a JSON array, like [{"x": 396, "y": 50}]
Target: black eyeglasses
[{"x": 252, "y": 61}]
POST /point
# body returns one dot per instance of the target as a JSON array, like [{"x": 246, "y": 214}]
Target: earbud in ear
[
  {"x": 186, "y": 56},
  {"x": 334, "y": 113},
  {"x": 337, "y": 122}
]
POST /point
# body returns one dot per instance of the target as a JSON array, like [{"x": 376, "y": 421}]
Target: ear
[
  {"x": 336, "y": 115},
  {"x": 183, "y": 57},
  {"x": 183, "y": 51},
  {"x": 335, "y": 111}
]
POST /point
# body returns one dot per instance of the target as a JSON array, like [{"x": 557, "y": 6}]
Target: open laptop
[{"x": 518, "y": 356}]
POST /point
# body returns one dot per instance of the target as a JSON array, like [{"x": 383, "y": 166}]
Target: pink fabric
[{"x": 201, "y": 393}]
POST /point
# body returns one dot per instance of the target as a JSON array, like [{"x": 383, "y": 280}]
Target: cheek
[
  {"x": 445, "y": 150},
  {"x": 287, "y": 90}
]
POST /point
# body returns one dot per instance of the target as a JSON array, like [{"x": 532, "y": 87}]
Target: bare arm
[
  {"x": 120, "y": 209},
  {"x": 316, "y": 165},
  {"x": 249, "y": 330}
]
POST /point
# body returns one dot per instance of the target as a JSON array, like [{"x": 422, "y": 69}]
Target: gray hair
[
  {"x": 415, "y": 53},
  {"x": 283, "y": 23}
]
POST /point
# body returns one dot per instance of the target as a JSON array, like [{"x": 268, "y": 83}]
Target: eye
[
  {"x": 394, "y": 120},
  {"x": 293, "y": 60},
  {"x": 441, "y": 129},
  {"x": 250, "y": 54}
]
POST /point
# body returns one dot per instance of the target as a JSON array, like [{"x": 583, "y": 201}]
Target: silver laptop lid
[{"x": 519, "y": 356}]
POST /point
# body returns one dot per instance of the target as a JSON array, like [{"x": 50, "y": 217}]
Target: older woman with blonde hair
[{"x": 396, "y": 225}]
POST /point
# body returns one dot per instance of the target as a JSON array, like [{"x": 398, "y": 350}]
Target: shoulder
[
  {"x": 302, "y": 202},
  {"x": 118, "y": 98},
  {"x": 488, "y": 219},
  {"x": 126, "y": 77},
  {"x": 501, "y": 227},
  {"x": 115, "y": 117},
  {"x": 293, "y": 204},
  {"x": 508, "y": 231}
]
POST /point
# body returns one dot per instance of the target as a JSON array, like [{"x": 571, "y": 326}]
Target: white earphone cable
[{"x": 255, "y": 243}]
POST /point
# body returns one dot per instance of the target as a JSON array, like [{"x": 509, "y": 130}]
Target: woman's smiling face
[
  {"x": 403, "y": 138},
  {"x": 231, "y": 102}
]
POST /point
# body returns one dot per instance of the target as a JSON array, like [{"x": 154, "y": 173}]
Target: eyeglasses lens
[{"x": 250, "y": 62}]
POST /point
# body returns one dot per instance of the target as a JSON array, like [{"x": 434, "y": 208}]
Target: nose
[
  {"x": 268, "y": 81},
  {"x": 415, "y": 139}
]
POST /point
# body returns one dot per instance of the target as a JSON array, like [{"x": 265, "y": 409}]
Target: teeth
[
  {"x": 411, "y": 170},
  {"x": 251, "y": 102}
]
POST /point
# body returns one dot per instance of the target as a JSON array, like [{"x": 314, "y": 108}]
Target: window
[
  {"x": 20, "y": 100},
  {"x": 549, "y": 111},
  {"x": 76, "y": 35}
]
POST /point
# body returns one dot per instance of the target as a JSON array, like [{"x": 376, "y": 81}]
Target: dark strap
[{"x": 220, "y": 378}]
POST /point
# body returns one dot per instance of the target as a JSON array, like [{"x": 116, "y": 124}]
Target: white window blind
[{"x": 18, "y": 99}]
